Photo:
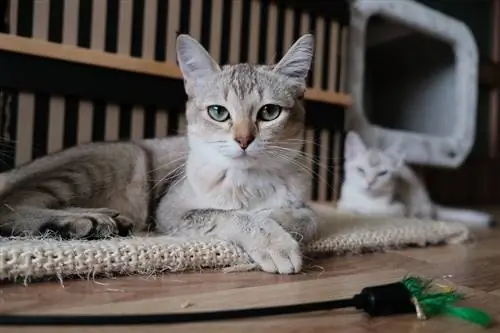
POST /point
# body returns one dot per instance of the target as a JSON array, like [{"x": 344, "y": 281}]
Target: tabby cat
[{"x": 237, "y": 176}]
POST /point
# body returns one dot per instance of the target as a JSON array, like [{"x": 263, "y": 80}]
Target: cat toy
[{"x": 410, "y": 295}]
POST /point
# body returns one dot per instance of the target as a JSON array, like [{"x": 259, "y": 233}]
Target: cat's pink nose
[{"x": 244, "y": 141}]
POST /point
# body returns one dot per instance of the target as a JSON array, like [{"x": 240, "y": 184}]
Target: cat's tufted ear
[
  {"x": 195, "y": 62},
  {"x": 297, "y": 61},
  {"x": 396, "y": 153},
  {"x": 354, "y": 145}
]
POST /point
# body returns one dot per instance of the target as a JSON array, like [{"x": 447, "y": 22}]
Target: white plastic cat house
[{"x": 413, "y": 80}]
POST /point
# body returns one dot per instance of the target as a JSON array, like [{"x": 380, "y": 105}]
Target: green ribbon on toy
[{"x": 430, "y": 303}]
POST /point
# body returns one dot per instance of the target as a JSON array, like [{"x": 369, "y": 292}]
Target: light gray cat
[
  {"x": 378, "y": 182},
  {"x": 237, "y": 177}
]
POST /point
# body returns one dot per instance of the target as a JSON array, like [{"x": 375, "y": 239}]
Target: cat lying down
[
  {"x": 380, "y": 183},
  {"x": 237, "y": 176}
]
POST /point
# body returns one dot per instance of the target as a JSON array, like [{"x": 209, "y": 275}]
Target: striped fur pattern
[
  {"x": 239, "y": 177},
  {"x": 90, "y": 191}
]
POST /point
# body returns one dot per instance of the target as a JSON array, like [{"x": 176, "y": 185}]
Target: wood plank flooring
[{"x": 474, "y": 268}]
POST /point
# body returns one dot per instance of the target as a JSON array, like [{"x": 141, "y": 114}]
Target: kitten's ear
[
  {"x": 354, "y": 145},
  {"x": 297, "y": 61},
  {"x": 396, "y": 154},
  {"x": 195, "y": 62}
]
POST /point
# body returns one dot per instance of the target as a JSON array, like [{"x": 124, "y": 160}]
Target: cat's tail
[{"x": 471, "y": 218}]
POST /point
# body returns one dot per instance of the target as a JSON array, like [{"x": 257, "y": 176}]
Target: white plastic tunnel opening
[{"x": 409, "y": 79}]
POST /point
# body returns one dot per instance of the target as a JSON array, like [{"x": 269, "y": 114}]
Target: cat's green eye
[
  {"x": 218, "y": 113},
  {"x": 382, "y": 173},
  {"x": 361, "y": 171},
  {"x": 269, "y": 112}
]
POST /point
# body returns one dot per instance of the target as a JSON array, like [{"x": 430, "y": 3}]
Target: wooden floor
[{"x": 474, "y": 267}]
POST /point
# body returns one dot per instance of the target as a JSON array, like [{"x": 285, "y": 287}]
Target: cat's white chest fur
[{"x": 240, "y": 189}]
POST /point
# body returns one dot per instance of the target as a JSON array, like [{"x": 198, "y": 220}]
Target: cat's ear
[
  {"x": 195, "y": 62},
  {"x": 396, "y": 153},
  {"x": 296, "y": 63},
  {"x": 354, "y": 145}
]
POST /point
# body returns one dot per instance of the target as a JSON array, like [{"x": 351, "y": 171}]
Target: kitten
[
  {"x": 369, "y": 185},
  {"x": 237, "y": 175},
  {"x": 379, "y": 182}
]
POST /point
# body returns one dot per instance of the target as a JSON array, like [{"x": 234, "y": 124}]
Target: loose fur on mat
[{"x": 341, "y": 234}]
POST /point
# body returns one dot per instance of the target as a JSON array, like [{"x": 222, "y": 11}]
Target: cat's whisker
[
  {"x": 163, "y": 166},
  {"x": 171, "y": 174},
  {"x": 313, "y": 142},
  {"x": 308, "y": 169},
  {"x": 311, "y": 157},
  {"x": 305, "y": 168},
  {"x": 313, "y": 160},
  {"x": 180, "y": 179}
]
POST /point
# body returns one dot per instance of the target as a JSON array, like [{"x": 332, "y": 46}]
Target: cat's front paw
[
  {"x": 88, "y": 223},
  {"x": 274, "y": 250}
]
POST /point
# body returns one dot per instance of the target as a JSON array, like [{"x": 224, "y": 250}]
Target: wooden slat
[
  {"x": 112, "y": 121},
  {"x": 168, "y": 69},
  {"x": 287, "y": 31},
  {"x": 195, "y": 19},
  {"x": 271, "y": 23},
  {"x": 25, "y": 126},
  {"x": 323, "y": 165},
  {"x": 174, "y": 12},
  {"x": 41, "y": 19},
  {"x": 70, "y": 27},
  {"x": 137, "y": 132},
  {"x": 489, "y": 74},
  {"x": 56, "y": 124},
  {"x": 85, "y": 115},
  {"x": 318, "y": 53},
  {"x": 309, "y": 151},
  {"x": 332, "y": 64},
  {"x": 13, "y": 8},
  {"x": 182, "y": 124},
  {"x": 328, "y": 97},
  {"x": 98, "y": 35},
  {"x": 125, "y": 27},
  {"x": 86, "y": 56},
  {"x": 161, "y": 123},
  {"x": 235, "y": 35},
  {"x": 343, "y": 59},
  {"x": 149, "y": 32},
  {"x": 304, "y": 24},
  {"x": 337, "y": 165},
  {"x": 216, "y": 29},
  {"x": 254, "y": 32}
]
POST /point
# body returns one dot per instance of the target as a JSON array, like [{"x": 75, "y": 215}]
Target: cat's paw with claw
[
  {"x": 274, "y": 249},
  {"x": 88, "y": 223}
]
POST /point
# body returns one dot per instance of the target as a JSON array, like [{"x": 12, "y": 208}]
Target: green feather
[
  {"x": 470, "y": 314},
  {"x": 434, "y": 303}
]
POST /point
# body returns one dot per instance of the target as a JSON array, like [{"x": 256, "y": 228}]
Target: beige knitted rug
[{"x": 28, "y": 259}]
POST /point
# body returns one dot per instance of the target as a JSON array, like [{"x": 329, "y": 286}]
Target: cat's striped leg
[
  {"x": 91, "y": 191},
  {"x": 298, "y": 219},
  {"x": 80, "y": 223}
]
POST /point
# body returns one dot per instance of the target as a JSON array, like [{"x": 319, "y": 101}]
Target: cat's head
[
  {"x": 245, "y": 115},
  {"x": 371, "y": 169}
]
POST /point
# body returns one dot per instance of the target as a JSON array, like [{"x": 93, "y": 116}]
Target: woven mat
[{"x": 52, "y": 258}]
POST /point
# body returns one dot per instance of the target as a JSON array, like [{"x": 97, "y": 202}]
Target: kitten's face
[
  {"x": 371, "y": 170},
  {"x": 244, "y": 115}
]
